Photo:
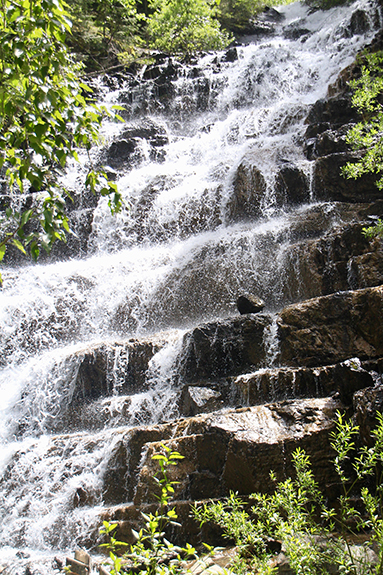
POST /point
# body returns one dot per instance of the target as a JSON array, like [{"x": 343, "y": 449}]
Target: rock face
[
  {"x": 128, "y": 150},
  {"x": 221, "y": 349},
  {"x": 333, "y": 328},
  {"x": 327, "y": 349},
  {"x": 225, "y": 451}
]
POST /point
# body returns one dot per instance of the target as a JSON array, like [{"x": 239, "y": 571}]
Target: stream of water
[{"x": 174, "y": 258}]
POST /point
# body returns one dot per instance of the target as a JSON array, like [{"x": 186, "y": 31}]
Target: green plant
[
  {"x": 313, "y": 536},
  {"x": 366, "y": 136},
  {"x": 185, "y": 26},
  {"x": 105, "y": 31},
  {"x": 152, "y": 553},
  {"x": 45, "y": 118}
]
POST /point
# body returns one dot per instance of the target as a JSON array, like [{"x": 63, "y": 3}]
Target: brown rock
[
  {"x": 235, "y": 450},
  {"x": 129, "y": 360},
  {"x": 333, "y": 328},
  {"x": 197, "y": 399},
  {"x": 367, "y": 403},
  {"x": 283, "y": 383},
  {"x": 291, "y": 185},
  {"x": 329, "y": 184}
]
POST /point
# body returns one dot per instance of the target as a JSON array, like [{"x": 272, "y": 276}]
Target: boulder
[
  {"x": 341, "y": 259},
  {"x": 291, "y": 185},
  {"x": 235, "y": 450},
  {"x": 359, "y": 23},
  {"x": 335, "y": 110},
  {"x": 187, "y": 530},
  {"x": 126, "y": 149},
  {"x": 249, "y": 304},
  {"x": 249, "y": 188},
  {"x": 326, "y": 142},
  {"x": 367, "y": 403},
  {"x": 114, "y": 368},
  {"x": 332, "y": 328},
  {"x": 200, "y": 399}
]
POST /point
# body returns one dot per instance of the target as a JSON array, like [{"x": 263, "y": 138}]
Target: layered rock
[
  {"x": 230, "y": 451},
  {"x": 333, "y": 328}
]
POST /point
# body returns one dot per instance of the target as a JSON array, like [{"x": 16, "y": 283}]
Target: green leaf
[
  {"x": 19, "y": 245},
  {"x": 3, "y": 249}
]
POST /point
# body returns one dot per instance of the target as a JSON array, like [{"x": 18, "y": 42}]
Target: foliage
[
  {"x": 185, "y": 26},
  {"x": 152, "y": 553},
  {"x": 235, "y": 14},
  {"x": 367, "y": 135},
  {"x": 104, "y": 29},
  {"x": 314, "y": 537},
  {"x": 375, "y": 230},
  {"x": 44, "y": 119}
]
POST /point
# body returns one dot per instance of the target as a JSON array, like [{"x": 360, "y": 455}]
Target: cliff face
[
  {"x": 329, "y": 345},
  {"x": 240, "y": 393}
]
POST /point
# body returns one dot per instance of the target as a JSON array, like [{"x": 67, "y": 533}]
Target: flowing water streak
[{"x": 172, "y": 260}]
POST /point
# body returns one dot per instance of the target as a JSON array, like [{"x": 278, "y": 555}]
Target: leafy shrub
[
  {"x": 152, "y": 553},
  {"x": 45, "y": 117},
  {"x": 314, "y": 537},
  {"x": 185, "y": 26}
]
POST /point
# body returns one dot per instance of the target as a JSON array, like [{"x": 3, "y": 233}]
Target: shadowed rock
[{"x": 249, "y": 304}]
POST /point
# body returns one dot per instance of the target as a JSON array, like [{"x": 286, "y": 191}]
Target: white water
[{"x": 177, "y": 262}]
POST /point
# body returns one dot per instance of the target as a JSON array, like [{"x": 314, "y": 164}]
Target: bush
[
  {"x": 314, "y": 537},
  {"x": 185, "y": 26}
]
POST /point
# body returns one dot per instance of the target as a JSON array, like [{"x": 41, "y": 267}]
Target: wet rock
[
  {"x": 294, "y": 32},
  {"x": 291, "y": 185},
  {"x": 94, "y": 415},
  {"x": 342, "y": 259},
  {"x": 249, "y": 304},
  {"x": 231, "y": 55},
  {"x": 327, "y": 142},
  {"x": 329, "y": 184},
  {"x": 111, "y": 368},
  {"x": 270, "y": 14},
  {"x": 337, "y": 111},
  {"x": 196, "y": 399},
  {"x": 188, "y": 530},
  {"x": 367, "y": 404},
  {"x": 126, "y": 149},
  {"x": 367, "y": 268},
  {"x": 120, "y": 478},
  {"x": 278, "y": 384},
  {"x": 359, "y": 23},
  {"x": 84, "y": 497},
  {"x": 249, "y": 187},
  {"x": 121, "y": 152},
  {"x": 333, "y": 328},
  {"x": 223, "y": 348}
]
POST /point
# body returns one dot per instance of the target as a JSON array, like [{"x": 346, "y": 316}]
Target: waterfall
[{"x": 179, "y": 254}]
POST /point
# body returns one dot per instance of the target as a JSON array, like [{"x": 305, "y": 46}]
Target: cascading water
[{"x": 180, "y": 254}]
